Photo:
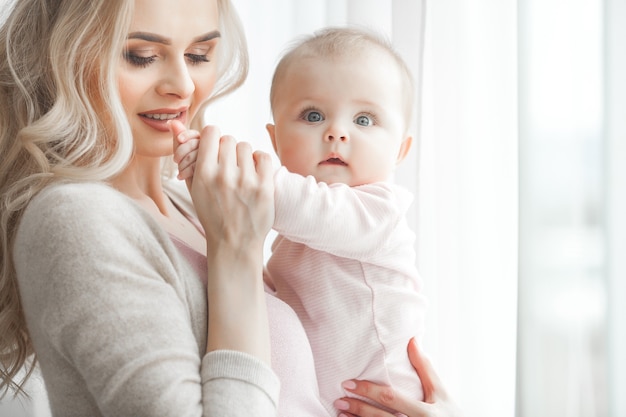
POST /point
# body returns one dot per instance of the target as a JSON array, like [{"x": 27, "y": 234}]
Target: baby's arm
[{"x": 353, "y": 222}]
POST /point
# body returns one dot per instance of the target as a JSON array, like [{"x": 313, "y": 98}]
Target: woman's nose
[{"x": 177, "y": 80}]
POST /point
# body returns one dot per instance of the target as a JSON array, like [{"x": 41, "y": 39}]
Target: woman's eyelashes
[
  {"x": 142, "y": 61},
  {"x": 197, "y": 58},
  {"x": 139, "y": 60}
]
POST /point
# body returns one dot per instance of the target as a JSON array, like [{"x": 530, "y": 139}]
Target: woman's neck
[{"x": 141, "y": 181}]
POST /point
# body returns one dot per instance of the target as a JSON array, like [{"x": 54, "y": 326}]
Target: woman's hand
[
  {"x": 232, "y": 189},
  {"x": 231, "y": 186},
  {"x": 437, "y": 402}
]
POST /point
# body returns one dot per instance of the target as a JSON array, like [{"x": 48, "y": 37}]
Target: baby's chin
[{"x": 335, "y": 179}]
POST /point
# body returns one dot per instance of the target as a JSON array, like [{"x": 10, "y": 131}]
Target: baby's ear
[
  {"x": 405, "y": 147},
  {"x": 271, "y": 129}
]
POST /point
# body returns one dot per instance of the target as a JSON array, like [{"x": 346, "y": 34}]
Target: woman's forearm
[{"x": 236, "y": 302}]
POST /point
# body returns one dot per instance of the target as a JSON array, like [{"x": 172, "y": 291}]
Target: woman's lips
[{"x": 158, "y": 120}]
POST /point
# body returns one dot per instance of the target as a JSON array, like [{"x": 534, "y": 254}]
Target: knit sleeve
[
  {"x": 109, "y": 315},
  {"x": 352, "y": 222},
  {"x": 237, "y": 376}
]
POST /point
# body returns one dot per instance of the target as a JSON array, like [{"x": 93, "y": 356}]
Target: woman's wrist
[{"x": 236, "y": 301}]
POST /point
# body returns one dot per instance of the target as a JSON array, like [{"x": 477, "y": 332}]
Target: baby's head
[{"x": 342, "y": 102}]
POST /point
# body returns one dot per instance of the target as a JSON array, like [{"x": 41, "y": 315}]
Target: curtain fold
[
  {"x": 615, "y": 148},
  {"x": 467, "y": 199},
  {"x": 572, "y": 230}
]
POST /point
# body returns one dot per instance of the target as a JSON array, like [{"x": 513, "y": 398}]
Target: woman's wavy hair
[{"x": 61, "y": 119}]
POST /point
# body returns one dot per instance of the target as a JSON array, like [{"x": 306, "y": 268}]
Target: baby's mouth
[{"x": 334, "y": 161}]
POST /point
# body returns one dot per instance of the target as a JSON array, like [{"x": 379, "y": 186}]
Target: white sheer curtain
[
  {"x": 468, "y": 199},
  {"x": 615, "y": 148},
  {"x": 572, "y": 336},
  {"x": 562, "y": 283}
]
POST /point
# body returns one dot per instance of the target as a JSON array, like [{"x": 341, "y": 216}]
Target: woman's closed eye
[
  {"x": 197, "y": 58},
  {"x": 139, "y": 60},
  {"x": 143, "y": 60}
]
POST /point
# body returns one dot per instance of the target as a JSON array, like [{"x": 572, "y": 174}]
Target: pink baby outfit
[{"x": 344, "y": 261}]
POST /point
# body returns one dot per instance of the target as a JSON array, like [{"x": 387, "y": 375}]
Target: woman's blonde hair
[{"x": 61, "y": 119}]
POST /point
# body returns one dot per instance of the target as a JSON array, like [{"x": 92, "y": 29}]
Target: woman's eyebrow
[
  {"x": 150, "y": 37},
  {"x": 153, "y": 37},
  {"x": 208, "y": 36}
]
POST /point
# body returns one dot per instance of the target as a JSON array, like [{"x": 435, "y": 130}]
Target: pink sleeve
[{"x": 346, "y": 221}]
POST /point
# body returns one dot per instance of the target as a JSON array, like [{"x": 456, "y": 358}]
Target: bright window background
[
  {"x": 563, "y": 249},
  {"x": 519, "y": 175}
]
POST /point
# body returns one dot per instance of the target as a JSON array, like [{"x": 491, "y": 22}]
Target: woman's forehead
[{"x": 175, "y": 19}]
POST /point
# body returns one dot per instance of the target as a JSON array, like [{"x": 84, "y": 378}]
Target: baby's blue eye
[
  {"x": 313, "y": 117},
  {"x": 363, "y": 121}
]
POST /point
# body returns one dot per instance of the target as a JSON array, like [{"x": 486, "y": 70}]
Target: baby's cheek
[{"x": 295, "y": 161}]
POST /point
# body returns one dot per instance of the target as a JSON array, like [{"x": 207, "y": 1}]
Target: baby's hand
[{"x": 186, "y": 143}]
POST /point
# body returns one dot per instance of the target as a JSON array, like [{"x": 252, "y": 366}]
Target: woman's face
[{"x": 168, "y": 68}]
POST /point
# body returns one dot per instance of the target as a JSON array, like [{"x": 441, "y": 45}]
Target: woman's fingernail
[
  {"x": 348, "y": 384},
  {"x": 341, "y": 405}
]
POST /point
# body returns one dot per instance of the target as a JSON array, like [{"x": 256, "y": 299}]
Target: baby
[{"x": 344, "y": 260}]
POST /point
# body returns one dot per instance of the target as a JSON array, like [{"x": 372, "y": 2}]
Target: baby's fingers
[
  {"x": 187, "y": 166},
  {"x": 181, "y": 134},
  {"x": 185, "y": 156}
]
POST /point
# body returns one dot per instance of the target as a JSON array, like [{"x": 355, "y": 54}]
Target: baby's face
[{"x": 341, "y": 119}]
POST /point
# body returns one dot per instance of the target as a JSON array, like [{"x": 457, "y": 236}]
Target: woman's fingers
[
  {"x": 245, "y": 162},
  {"x": 352, "y": 407},
  {"x": 431, "y": 383},
  {"x": 227, "y": 157},
  {"x": 436, "y": 401},
  {"x": 233, "y": 199},
  {"x": 383, "y": 395},
  {"x": 208, "y": 150},
  {"x": 264, "y": 167}
]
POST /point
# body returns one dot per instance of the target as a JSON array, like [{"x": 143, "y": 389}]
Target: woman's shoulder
[
  {"x": 78, "y": 202},
  {"x": 82, "y": 226},
  {"x": 83, "y": 209},
  {"x": 76, "y": 194}
]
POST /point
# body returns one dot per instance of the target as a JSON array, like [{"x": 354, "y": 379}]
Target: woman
[{"x": 107, "y": 274}]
